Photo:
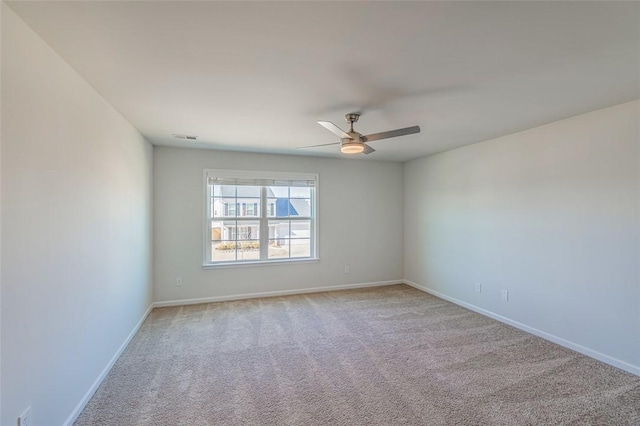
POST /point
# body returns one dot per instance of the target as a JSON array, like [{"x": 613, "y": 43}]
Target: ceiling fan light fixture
[{"x": 349, "y": 146}]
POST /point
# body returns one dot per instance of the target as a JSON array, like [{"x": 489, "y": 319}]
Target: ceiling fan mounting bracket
[{"x": 351, "y": 117}]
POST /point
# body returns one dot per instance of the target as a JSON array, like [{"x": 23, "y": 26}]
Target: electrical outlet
[
  {"x": 505, "y": 295},
  {"x": 179, "y": 282},
  {"x": 25, "y": 418},
  {"x": 347, "y": 269},
  {"x": 478, "y": 288}
]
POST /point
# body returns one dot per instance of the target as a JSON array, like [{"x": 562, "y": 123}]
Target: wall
[
  {"x": 359, "y": 218},
  {"x": 1, "y": 13},
  {"x": 76, "y": 221},
  {"x": 551, "y": 214}
]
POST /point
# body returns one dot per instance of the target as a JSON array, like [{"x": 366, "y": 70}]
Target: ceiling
[{"x": 256, "y": 76}]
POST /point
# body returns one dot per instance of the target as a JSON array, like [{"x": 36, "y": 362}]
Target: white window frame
[{"x": 263, "y": 218}]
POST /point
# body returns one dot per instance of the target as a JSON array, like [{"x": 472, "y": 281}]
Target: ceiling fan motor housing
[
  {"x": 357, "y": 137},
  {"x": 345, "y": 141}
]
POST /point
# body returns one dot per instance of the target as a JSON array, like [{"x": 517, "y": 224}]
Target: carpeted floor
[{"x": 379, "y": 356}]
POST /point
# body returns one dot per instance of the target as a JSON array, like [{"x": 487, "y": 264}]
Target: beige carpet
[{"x": 380, "y": 356}]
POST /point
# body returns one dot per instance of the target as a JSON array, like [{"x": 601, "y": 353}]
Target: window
[
  {"x": 259, "y": 217},
  {"x": 229, "y": 209}
]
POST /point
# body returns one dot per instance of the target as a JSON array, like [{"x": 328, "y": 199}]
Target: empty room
[{"x": 319, "y": 213}]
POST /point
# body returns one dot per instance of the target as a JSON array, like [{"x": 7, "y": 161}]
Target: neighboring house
[{"x": 236, "y": 206}]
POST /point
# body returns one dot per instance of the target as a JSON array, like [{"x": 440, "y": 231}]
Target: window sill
[{"x": 260, "y": 263}]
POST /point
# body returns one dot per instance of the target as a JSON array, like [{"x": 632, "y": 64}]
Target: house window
[
  {"x": 229, "y": 209},
  {"x": 251, "y": 209},
  {"x": 259, "y": 217}
]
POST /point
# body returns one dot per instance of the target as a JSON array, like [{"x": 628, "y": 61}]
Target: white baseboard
[
  {"x": 634, "y": 369},
  {"x": 94, "y": 387},
  {"x": 181, "y": 302}
]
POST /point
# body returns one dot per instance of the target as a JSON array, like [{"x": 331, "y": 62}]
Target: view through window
[{"x": 259, "y": 216}]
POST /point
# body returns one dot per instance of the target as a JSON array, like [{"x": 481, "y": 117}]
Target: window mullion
[
  {"x": 312, "y": 222},
  {"x": 209, "y": 219},
  {"x": 264, "y": 225}
]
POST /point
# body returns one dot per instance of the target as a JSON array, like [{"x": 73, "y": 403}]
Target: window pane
[
  {"x": 248, "y": 207},
  {"x": 300, "y": 207},
  {"x": 248, "y": 250},
  {"x": 271, "y": 207},
  {"x": 216, "y": 230},
  {"x": 223, "y": 251},
  {"x": 300, "y": 229},
  {"x": 280, "y": 207},
  {"x": 300, "y": 248},
  {"x": 278, "y": 229},
  {"x": 248, "y": 230},
  {"x": 219, "y": 206},
  {"x": 248, "y": 191},
  {"x": 224, "y": 191},
  {"x": 278, "y": 191},
  {"x": 223, "y": 230},
  {"x": 224, "y": 207},
  {"x": 279, "y": 249},
  {"x": 283, "y": 207},
  {"x": 300, "y": 192}
]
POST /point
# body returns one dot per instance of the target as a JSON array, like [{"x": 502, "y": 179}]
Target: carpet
[{"x": 388, "y": 355}]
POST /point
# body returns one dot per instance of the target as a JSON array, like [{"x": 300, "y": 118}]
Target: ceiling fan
[{"x": 352, "y": 142}]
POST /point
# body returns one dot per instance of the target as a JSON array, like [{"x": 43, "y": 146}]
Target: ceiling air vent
[{"x": 187, "y": 137}]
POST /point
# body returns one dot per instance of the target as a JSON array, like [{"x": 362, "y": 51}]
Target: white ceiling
[{"x": 256, "y": 76}]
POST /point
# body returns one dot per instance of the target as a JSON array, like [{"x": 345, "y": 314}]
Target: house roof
[
  {"x": 243, "y": 191},
  {"x": 301, "y": 207}
]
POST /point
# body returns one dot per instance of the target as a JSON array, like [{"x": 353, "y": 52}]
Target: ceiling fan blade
[
  {"x": 315, "y": 146},
  {"x": 391, "y": 134},
  {"x": 334, "y": 129},
  {"x": 368, "y": 149}
]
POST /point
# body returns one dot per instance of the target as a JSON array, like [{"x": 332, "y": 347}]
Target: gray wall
[
  {"x": 360, "y": 224},
  {"x": 76, "y": 230},
  {"x": 552, "y": 215}
]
